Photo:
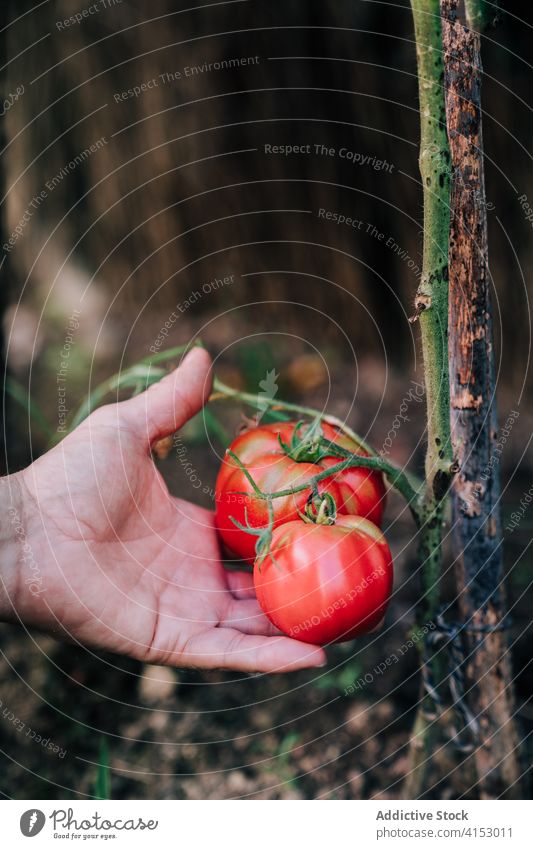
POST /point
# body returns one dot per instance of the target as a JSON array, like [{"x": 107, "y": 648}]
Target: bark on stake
[{"x": 477, "y": 536}]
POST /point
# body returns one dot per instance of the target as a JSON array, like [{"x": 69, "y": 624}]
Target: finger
[
  {"x": 248, "y": 618},
  {"x": 167, "y": 405},
  {"x": 241, "y": 584},
  {"x": 226, "y": 648}
]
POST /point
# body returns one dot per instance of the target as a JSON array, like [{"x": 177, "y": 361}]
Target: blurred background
[{"x": 183, "y": 172}]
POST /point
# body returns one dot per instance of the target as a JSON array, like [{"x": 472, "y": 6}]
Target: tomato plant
[
  {"x": 284, "y": 455},
  {"x": 325, "y": 583}
]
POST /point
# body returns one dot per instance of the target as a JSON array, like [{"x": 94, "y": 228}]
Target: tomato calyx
[
  {"x": 307, "y": 442},
  {"x": 320, "y": 509}
]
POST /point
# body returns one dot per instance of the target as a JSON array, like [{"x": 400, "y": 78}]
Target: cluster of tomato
[{"x": 322, "y": 569}]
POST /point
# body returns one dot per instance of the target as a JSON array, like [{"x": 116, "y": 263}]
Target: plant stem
[
  {"x": 221, "y": 389},
  {"x": 397, "y": 478},
  {"x": 431, "y": 310},
  {"x": 431, "y": 300}
]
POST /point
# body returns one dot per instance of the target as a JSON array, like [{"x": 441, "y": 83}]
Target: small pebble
[{"x": 157, "y": 682}]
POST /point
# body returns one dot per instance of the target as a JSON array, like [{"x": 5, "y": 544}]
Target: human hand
[{"x": 120, "y": 564}]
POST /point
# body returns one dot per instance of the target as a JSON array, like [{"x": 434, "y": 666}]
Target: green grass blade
[
  {"x": 215, "y": 427},
  {"x": 102, "y": 788},
  {"x": 17, "y": 392}
]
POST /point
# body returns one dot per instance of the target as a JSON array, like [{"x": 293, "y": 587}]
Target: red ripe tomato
[
  {"x": 325, "y": 583},
  {"x": 356, "y": 491}
]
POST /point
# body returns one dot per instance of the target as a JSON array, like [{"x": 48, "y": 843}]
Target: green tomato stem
[
  {"x": 397, "y": 478},
  {"x": 249, "y": 398},
  {"x": 431, "y": 311}
]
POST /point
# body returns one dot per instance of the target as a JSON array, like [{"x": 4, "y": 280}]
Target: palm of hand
[{"x": 130, "y": 568}]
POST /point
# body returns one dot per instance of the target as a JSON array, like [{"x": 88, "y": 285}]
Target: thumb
[{"x": 167, "y": 405}]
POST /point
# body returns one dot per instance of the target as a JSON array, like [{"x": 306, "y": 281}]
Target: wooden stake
[{"x": 477, "y": 536}]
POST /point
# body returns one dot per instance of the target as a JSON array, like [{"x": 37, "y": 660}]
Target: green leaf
[
  {"x": 171, "y": 353},
  {"x": 339, "y": 679},
  {"x": 289, "y": 742},
  {"x": 138, "y": 377}
]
